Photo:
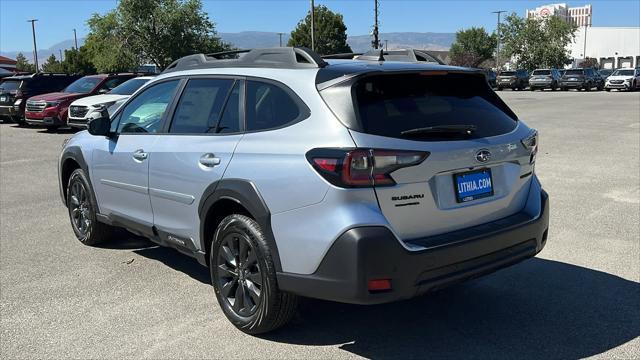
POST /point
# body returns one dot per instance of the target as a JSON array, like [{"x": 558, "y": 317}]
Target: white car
[
  {"x": 623, "y": 79},
  {"x": 82, "y": 110}
]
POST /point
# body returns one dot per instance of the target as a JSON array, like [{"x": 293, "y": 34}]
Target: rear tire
[
  {"x": 244, "y": 277},
  {"x": 82, "y": 211}
]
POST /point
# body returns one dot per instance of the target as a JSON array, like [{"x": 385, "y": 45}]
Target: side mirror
[{"x": 100, "y": 125}]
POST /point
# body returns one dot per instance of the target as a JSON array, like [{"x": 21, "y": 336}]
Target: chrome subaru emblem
[{"x": 483, "y": 155}]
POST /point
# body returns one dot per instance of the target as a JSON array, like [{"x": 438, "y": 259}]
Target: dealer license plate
[{"x": 473, "y": 185}]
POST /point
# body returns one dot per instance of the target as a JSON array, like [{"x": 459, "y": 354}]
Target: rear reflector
[{"x": 379, "y": 284}]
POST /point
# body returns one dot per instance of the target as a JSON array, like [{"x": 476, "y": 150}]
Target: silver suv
[{"x": 355, "y": 181}]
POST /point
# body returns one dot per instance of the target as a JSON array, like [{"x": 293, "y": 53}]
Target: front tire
[
  {"x": 82, "y": 211},
  {"x": 244, "y": 277}
]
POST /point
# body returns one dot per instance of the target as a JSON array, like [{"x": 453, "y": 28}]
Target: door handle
[
  {"x": 209, "y": 160},
  {"x": 140, "y": 155}
]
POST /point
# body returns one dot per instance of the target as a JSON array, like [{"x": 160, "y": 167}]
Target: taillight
[
  {"x": 531, "y": 143},
  {"x": 362, "y": 167}
]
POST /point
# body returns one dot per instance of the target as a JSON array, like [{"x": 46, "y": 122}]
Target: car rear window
[
  {"x": 10, "y": 85},
  {"x": 507, "y": 73},
  {"x": 389, "y": 105},
  {"x": 574, "y": 72},
  {"x": 541, "y": 72}
]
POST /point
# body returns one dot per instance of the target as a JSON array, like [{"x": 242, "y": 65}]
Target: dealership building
[{"x": 613, "y": 47}]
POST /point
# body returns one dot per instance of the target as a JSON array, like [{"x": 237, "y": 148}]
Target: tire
[
  {"x": 236, "y": 275},
  {"x": 607, "y": 90},
  {"x": 82, "y": 207},
  {"x": 532, "y": 89},
  {"x": 564, "y": 89}
]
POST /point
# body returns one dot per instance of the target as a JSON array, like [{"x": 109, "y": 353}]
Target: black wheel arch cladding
[
  {"x": 74, "y": 153},
  {"x": 244, "y": 193}
]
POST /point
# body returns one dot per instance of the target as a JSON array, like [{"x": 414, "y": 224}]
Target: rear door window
[
  {"x": 200, "y": 107},
  {"x": 390, "y": 105}
]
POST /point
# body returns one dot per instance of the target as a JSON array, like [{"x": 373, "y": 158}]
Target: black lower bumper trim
[{"x": 366, "y": 253}]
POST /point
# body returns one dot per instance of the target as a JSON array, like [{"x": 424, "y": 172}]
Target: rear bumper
[
  {"x": 573, "y": 84},
  {"x": 367, "y": 253}
]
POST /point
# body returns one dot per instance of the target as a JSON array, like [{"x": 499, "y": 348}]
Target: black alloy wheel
[{"x": 239, "y": 275}]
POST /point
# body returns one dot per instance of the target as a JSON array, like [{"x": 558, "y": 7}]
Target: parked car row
[
  {"x": 586, "y": 79},
  {"x": 47, "y": 98}
]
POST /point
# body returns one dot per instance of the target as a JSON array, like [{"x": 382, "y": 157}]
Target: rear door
[
  {"x": 469, "y": 177},
  {"x": 193, "y": 154}
]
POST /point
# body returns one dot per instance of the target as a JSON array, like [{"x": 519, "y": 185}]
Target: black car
[
  {"x": 544, "y": 79},
  {"x": 515, "y": 80},
  {"x": 15, "y": 90},
  {"x": 581, "y": 79}
]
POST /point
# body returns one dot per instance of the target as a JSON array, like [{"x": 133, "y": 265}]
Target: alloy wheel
[
  {"x": 80, "y": 209},
  {"x": 239, "y": 275}
]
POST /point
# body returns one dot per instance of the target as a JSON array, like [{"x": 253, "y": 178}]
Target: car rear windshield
[
  {"x": 507, "y": 73},
  {"x": 10, "y": 85},
  {"x": 541, "y": 72},
  {"x": 84, "y": 85},
  {"x": 128, "y": 87},
  {"x": 574, "y": 72},
  {"x": 390, "y": 105}
]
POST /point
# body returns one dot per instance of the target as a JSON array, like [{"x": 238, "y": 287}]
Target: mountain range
[{"x": 256, "y": 39}]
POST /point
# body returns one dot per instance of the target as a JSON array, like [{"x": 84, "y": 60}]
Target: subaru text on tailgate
[{"x": 354, "y": 181}]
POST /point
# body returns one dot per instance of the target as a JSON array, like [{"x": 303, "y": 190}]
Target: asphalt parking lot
[{"x": 131, "y": 299}]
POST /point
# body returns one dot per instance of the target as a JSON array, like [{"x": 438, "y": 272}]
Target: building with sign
[{"x": 580, "y": 16}]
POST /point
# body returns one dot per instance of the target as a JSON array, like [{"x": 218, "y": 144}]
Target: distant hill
[{"x": 253, "y": 39}]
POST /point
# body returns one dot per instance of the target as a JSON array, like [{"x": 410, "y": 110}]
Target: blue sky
[{"x": 57, "y": 18}]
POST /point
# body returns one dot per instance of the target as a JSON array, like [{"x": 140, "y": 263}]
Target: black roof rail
[
  {"x": 407, "y": 55},
  {"x": 347, "y": 56},
  {"x": 279, "y": 57}
]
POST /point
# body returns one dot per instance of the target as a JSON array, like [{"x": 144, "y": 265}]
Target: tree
[
  {"x": 52, "y": 65},
  {"x": 105, "y": 48},
  {"x": 536, "y": 43},
  {"x": 330, "y": 32},
  {"x": 22, "y": 64},
  {"x": 162, "y": 31},
  {"x": 472, "y": 47},
  {"x": 589, "y": 63},
  {"x": 77, "y": 61}
]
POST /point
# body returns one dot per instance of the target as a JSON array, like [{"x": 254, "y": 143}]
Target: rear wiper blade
[{"x": 461, "y": 129}]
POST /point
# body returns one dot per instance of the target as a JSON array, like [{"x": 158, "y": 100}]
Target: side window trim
[{"x": 117, "y": 115}]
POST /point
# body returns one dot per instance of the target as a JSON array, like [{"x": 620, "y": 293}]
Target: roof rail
[
  {"x": 348, "y": 56},
  {"x": 407, "y": 55},
  {"x": 279, "y": 57}
]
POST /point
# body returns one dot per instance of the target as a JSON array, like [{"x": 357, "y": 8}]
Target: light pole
[
  {"x": 498, "y": 38},
  {"x": 280, "y": 35},
  {"x": 386, "y": 45},
  {"x": 376, "y": 40},
  {"x": 60, "y": 52},
  {"x": 313, "y": 28},
  {"x": 35, "y": 47},
  {"x": 75, "y": 38}
]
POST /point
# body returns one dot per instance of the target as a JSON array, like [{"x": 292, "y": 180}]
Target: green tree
[
  {"x": 330, "y": 32},
  {"x": 589, "y": 63},
  {"x": 472, "y": 47},
  {"x": 104, "y": 45},
  {"x": 78, "y": 61},
  {"x": 52, "y": 65},
  {"x": 22, "y": 64},
  {"x": 536, "y": 43},
  {"x": 162, "y": 31}
]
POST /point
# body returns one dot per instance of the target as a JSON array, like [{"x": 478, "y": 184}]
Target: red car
[{"x": 51, "y": 109}]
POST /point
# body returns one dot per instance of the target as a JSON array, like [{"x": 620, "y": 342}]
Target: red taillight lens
[
  {"x": 379, "y": 285},
  {"x": 362, "y": 167}
]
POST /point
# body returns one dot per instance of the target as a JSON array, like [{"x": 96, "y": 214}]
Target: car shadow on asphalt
[
  {"x": 537, "y": 309},
  {"x": 124, "y": 240}
]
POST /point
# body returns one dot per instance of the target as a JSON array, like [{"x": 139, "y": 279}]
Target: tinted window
[
  {"x": 269, "y": 106},
  {"x": 388, "y": 105},
  {"x": 144, "y": 113},
  {"x": 573, "y": 72},
  {"x": 128, "y": 87},
  {"x": 507, "y": 73},
  {"x": 230, "y": 121},
  {"x": 112, "y": 83},
  {"x": 623, "y": 73},
  {"x": 84, "y": 85},
  {"x": 200, "y": 106}
]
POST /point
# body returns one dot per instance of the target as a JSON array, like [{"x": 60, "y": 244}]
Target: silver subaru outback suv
[{"x": 361, "y": 182}]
